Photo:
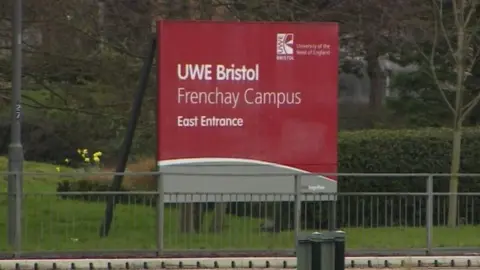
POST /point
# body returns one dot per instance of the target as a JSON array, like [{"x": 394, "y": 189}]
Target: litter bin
[{"x": 321, "y": 251}]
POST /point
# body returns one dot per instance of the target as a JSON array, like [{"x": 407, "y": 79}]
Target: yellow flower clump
[{"x": 87, "y": 158}]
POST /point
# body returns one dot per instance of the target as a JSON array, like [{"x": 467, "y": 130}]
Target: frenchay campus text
[{"x": 242, "y": 74}]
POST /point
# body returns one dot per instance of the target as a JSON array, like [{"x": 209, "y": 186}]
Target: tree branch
[
  {"x": 38, "y": 105},
  {"x": 458, "y": 24},
  {"x": 470, "y": 107},
  {"x": 471, "y": 11},
  {"x": 473, "y": 61},
  {"x": 438, "y": 17},
  {"x": 431, "y": 61},
  {"x": 48, "y": 88}
]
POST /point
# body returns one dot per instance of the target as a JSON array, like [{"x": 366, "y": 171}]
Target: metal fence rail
[{"x": 58, "y": 221}]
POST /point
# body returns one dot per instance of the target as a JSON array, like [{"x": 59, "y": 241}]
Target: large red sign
[{"x": 260, "y": 91}]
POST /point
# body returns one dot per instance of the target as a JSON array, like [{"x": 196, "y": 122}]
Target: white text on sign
[
  {"x": 232, "y": 99},
  {"x": 208, "y": 72},
  {"x": 212, "y": 121}
]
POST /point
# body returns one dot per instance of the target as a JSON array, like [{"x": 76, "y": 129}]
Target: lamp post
[{"x": 15, "y": 149}]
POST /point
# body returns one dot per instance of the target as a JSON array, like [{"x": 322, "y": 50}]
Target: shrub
[
  {"x": 381, "y": 151},
  {"x": 404, "y": 151},
  {"x": 131, "y": 182},
  {"x": 86, "y": 190},
  {"x": 400, "y": 151}
]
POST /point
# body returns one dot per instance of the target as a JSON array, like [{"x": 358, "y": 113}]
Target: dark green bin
[{"x": 321, "y": 251}]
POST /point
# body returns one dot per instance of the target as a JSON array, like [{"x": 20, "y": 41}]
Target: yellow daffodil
[
  {"x": 85, "y": 151},
  {"x": 87, "y": 160},
  {"x": 67, "y": 160},
  {"x": 96, "y": 159},
  {"x": 98, "y": 154},
  {"x": 79, "y": 151}
]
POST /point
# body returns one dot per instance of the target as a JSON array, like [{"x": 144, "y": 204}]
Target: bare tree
[{"x": 454, "y": 52}]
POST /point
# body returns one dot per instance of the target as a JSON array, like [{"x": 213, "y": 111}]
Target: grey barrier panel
[{"x": 248, "y": 180}]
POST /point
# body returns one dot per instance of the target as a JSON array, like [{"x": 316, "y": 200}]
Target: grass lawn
[{"x": 52, "y": 224}]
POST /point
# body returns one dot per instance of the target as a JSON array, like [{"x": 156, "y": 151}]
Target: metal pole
[
  {"x": 429, "y": 213},
  {"x": 298, "y": 207},
  {"x": 18, "y": 219},
  {"x": 332, "y": 211},
  {"x": 160, "y": 214},
  {"x": 15, "y": 149}
]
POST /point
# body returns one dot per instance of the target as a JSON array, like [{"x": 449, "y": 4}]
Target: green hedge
[
  {"x": 404, "y": 151},
  {"x": 379, "y": 151},
  {"x": 393, "y": 151}
]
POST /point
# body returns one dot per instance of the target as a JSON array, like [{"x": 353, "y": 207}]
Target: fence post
[
  {"x": 332, "y": 212},
  {"x": 298, "y": 206},
  {"x": 18, "y": 216},
  {"x": 160, "y": 224},
  {"x": 429, "y": 213}
]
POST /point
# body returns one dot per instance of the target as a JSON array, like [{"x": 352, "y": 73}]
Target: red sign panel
[{"x": 258, "y": 91}]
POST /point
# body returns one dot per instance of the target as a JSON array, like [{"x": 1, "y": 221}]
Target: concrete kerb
[{"x": 254, "y": 262}]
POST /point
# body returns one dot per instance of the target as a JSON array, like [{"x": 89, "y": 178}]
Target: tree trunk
[
  {"x": 218, "y": 219},
  {"x": 187, "y": 218},
  {"x": 377, "y": 87},
  {"x": 457, "y": 124},
  {"x": 454, "y": 170},
  {"x": 101, "y": 24},
  {"x": 191, "y": 217}
]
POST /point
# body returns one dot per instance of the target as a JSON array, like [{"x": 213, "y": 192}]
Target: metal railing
[{"x": 162, "y": 222}]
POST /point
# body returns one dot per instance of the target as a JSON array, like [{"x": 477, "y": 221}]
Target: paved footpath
[
  {"x": 347, "y": 268},
  {"x": 417, "y": 262}
]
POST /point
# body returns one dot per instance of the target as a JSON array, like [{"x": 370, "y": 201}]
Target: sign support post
[{"x": 127, "y": 142}]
